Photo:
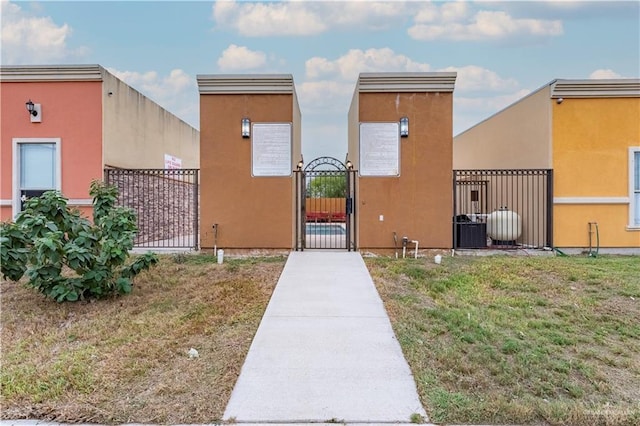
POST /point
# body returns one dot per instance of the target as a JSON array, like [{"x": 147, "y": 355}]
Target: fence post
[
  {"x": 196, "y": 209},
  {"x": 550, "y": 208},
  {"x": 297, "y": 207},
  {"x": 455, "y": 209}
]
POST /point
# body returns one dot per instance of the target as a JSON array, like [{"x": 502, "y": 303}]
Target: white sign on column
[
  {"x": 271, "y": 149},
  {"x": 379, "y": 149}
]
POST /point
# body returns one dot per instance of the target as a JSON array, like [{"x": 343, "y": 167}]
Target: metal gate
[
  {"x": 165, "y": 202},
  {"x": 325, "y": 203}
]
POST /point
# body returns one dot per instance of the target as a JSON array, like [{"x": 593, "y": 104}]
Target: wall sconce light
[
  {"x": 404, "y": 127},
  {"x": 246, "y": 127},
  {"x": 300, "y": 165},
  {"x": 31, "y": 107},
  {"x": 349, "y": 165},
  {"x": 35, "y": 111}
]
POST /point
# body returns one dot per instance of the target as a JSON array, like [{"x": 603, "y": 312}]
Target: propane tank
[{"x": 504, "y": 225}]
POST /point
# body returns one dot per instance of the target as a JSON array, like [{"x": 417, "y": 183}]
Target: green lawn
[{"x": 505, "y": 339}]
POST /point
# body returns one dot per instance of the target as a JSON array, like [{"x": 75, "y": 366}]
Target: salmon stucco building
[
  {"x": 588, "y": 133},
  {"x": 63, "y": 125}
]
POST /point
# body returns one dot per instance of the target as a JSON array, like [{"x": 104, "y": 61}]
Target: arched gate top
[{"x": 325, "y": 163}]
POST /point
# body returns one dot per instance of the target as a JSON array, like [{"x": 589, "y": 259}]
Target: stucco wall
[
  {"x": 418, "y": 203},
  {"x": 138, "y": 132},
  {"x": 591, "y": 140},
  {"x": 251, "y": 212},
  {"x": 518, "y": 137},
  {"x": 71, "y": 111}
]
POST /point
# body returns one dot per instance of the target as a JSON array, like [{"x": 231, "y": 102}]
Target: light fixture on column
[
  {"x": 349, "y": 165},
  {"x": 246, "y": 127},
  {"x": 300, "y": 165},
  {"x": 35, "y": 111},
  {"x": 404, "y": 127}
]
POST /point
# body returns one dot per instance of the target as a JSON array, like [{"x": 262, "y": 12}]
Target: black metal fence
[
  {"x": 165, "y": 202},
  {"x": 503, "y": 209}
]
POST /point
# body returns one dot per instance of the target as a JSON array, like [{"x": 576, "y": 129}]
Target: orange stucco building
[
  {"x": 405, "y": 182},
  {"x": 247, "y": 184},
  {"x": 86, "y": 119},
  {"x": 588, "y": 133}
]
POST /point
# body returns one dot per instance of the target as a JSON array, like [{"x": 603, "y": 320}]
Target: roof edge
[
  {"x": 407, "y": 82},
  {"x": 245, "y": 83},
  {"x": 24, "y": 73},
  {"x": 596, "y": 88}
]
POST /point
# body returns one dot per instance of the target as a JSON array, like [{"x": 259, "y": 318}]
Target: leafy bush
[{"x": 48, "y": 236}]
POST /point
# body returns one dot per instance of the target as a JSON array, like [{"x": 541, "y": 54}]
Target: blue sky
[{"x": 501, "y": 50}]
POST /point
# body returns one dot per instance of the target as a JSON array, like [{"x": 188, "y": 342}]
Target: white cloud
[
  {"x": 30, "y": 39},
  {"x": 451, "y": 12},
  {"x": 451, "y": 21},
  {"x": 604, "y": 74},
  {"x": 475, "y": 78},
  {"x": 176, "y": 92},
  {"x": 325, "y": 94},
  {"x": 356, "y": 61},
  {"x": 304, "y": 18},
  {"x": 264, "y": 19},
  {"x": 237, "y": 58},
  {"x": 365, "y": 14}
]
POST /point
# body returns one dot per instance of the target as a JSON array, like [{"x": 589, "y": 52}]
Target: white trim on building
[
  {"x": 634, "y": 193},
  {"x": 591, "y": 200}
]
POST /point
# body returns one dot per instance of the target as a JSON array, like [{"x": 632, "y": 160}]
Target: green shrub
[{"x": 64, "y": 255}]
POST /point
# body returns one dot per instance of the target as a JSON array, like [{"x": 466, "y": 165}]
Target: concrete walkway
[{"x": 325, "y": 350}]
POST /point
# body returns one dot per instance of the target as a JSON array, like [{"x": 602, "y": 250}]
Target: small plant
[
  {"x": 179, "y": 258},
  {"x": 416, "y": 418},
  {"x": 48, "y": 238}
]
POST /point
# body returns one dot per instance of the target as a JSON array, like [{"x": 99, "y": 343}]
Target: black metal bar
[
  {"x": 455, "y": 209},
  {"x": 196, "y": 209},
  {"x": 297, "y": 209},
  {"x": 549, "y": 207},
  {"x": 354, "y": 212},
  {"x": 347, "y": 210},
  {"x": 303, "y": 202}
]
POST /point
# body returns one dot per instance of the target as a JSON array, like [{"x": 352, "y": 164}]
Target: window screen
[{"x": 37, "y": 166}]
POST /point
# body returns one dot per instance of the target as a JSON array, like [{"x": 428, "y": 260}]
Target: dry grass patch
[
  {"x": 125, "y": 359},
  {"x": 524, "y": 340}
]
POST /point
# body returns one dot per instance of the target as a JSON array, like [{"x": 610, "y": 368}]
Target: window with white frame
[
  {"x": 634, "y": 187},
  {"x": 36, "y": 168}
]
